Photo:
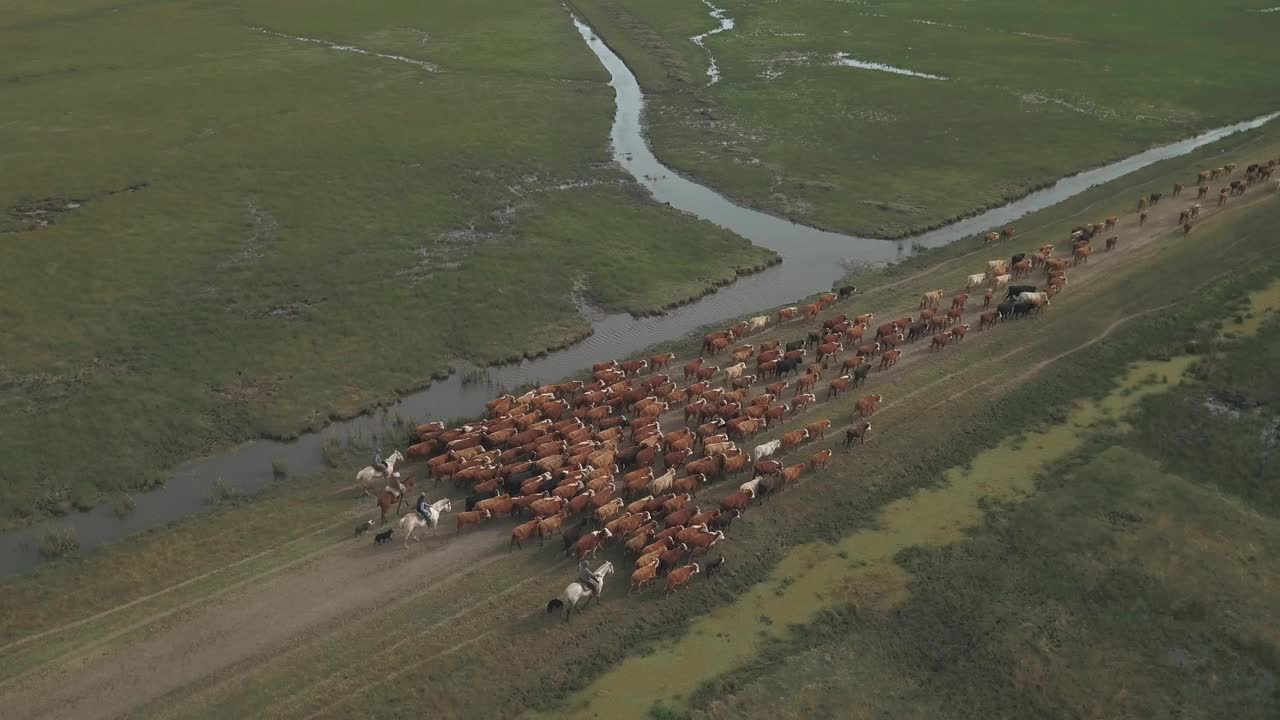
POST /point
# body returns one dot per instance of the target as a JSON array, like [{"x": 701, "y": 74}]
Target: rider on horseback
[
  {"x": 587, "y": 578},
  {"x": 423, "y": 507},
  {"x": 393, "y": 482}
]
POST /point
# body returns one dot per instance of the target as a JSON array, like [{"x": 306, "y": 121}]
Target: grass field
[
  {"x": 236, "y": 591},
  {"x": 1033, "y": 92},
  {"x": 210, "y": 231}
]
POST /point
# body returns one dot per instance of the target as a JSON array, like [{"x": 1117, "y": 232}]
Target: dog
[
  {"x": 363, "y": 528},
  {"x": 383, "y": 537},
  {"x": 714, "y": 566}
]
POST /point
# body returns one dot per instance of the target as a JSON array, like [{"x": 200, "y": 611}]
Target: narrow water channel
[{"x": 812, "y": 260}]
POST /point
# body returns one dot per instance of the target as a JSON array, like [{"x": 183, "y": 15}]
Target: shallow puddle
[
  {"x": 1263, "y": 304},
  {"x": 845, "y": 60},
  {"x": 860, "y": 568}
]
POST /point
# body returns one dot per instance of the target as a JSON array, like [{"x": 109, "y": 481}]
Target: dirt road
[{"x": 153, "y": 666}]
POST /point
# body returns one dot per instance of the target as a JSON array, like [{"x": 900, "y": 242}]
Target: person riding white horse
[
  {"x": 423, "y": 508},
  {"x": 588, "y": 578},
  {"x": 380, "y": 466},
  {"x": 580, "y": 590}
]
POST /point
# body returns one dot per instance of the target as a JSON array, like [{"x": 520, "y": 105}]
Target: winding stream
[{"x": 812, "y": 262}]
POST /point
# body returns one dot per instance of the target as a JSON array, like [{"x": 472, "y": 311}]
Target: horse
[
  {"x": 366, "y": 476},
  {"x": 388, "y": 498},
  {"x": 411, "y": 522},
  {"x": 574, "y": 593}
]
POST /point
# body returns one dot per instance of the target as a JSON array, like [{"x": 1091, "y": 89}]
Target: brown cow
[
  {"x": 680, "y": 577},
  {"x": 658, "y": 362},
  {"x": 988, "y": 319},
  {"x": 472, "y": 518},
  {"x": 643, "y": 576},
  {"x": 737, "y": 501},
  {"x": 590, "y": 543},
  {"x": 867, "y": 405},
  {"x": 674, "y": 556},
  {"x": 805, "y": 382},
  {"x": 818, "y": 428},
  {"x": 856, "y": 433},
  {"x": 704, "y": 541},
  {"x": 657, "y": 545},
  {"x": 820, "y": 460},
  {"x": 794, "y": 438},
  {"x": 522, "y": 533},
  {"x": 802, "y": 401},
  {"x": 957, "y": 332},
  {"x": 840, "y": 384},
  {"x": 791, "y": 475},
  {"x": 940, "y": 342},
  {"x": 606, "y": 512},
  {"x": 550, "y": 526},
  {"x": 890, "y": 359}
]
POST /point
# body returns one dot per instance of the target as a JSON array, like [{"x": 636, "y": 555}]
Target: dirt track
[{"x": 159, "y": 661}]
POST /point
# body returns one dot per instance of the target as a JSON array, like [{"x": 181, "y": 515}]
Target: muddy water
[
  {"x": 812, "y": 261},
  {"x": 858, "y": 569}
]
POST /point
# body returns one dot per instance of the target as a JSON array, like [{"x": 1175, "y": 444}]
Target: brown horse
[{"x": 387, "y": 498}]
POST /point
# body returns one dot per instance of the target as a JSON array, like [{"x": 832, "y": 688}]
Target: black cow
[
  {"x": 1016, "y": 290},
  {"x": 570, "y": 536},
  {"x": 846, "y": 290},
  {"x": 860, "y": 374},
  {"x": 815, "y": 338},
  {"x": 724, "y": 520},
  {"x": 786, "y": 367},
  {"x": 1155, "y": 198},
  {"x": 795, "y": 345},
  {"x": 477, "y": 497},
  {"x": 1005, "y": 309},
  {"x": 1017, "y": 259},
  {"x": 917, "y": 330},
  {"x": 1023, "y": 309}
]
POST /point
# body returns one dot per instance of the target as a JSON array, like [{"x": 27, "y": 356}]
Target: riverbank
[{"x": 488, "y": 614}]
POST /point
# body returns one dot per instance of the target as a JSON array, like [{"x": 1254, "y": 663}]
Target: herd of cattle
[{"x": 598, "y": 451}]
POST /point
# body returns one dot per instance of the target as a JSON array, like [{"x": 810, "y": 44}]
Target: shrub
[{"x": 59, "y": 542}]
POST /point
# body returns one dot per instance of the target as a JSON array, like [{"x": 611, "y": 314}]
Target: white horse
[
  {"x": 411, "y": 522},
  {"x": 366, "y": 476},
  {"x": 575, "y": 592}
]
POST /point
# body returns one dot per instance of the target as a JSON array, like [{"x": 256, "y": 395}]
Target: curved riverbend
[{"x": 812, "y": 260}]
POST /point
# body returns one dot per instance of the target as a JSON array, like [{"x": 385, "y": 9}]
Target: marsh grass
[
  {"x": 238, "y": 290},
  {"x": 59, "y": 542}
]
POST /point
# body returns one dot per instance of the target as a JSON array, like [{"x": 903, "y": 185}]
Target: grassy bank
[
  {"x": 1032, "y": 93},
  {"x": 488, "y": 622},
  {"x": 222, "y": 232}
]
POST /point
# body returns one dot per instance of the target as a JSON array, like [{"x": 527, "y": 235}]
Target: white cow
[
  {"x": 1033, "y": 297},
  {"x": 1000, "y": 281},
  {"x": 734, "y": 371},
  {"x": 758, "y": 322},
  {"x": 975, "y": 280},
  {"x": 763, "y": 451}
]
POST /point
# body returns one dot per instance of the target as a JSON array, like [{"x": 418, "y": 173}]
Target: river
[{"x": 812, "y": 261}]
